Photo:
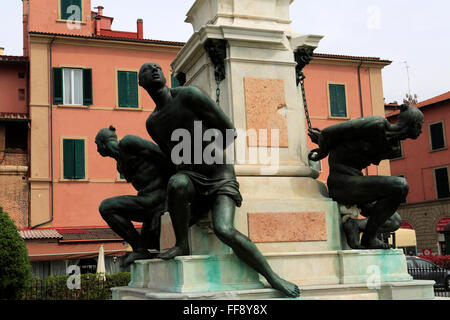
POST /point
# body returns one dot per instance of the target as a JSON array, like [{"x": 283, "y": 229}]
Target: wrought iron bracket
[
  {"x": 303, "y": 56},
  {"x": 217, "y": 52}
]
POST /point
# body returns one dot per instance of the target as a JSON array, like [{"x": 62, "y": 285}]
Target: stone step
[{"x": 406, "y": 290}]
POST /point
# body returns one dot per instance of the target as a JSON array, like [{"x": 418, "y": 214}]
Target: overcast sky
[{"x": 415, "y": 31}]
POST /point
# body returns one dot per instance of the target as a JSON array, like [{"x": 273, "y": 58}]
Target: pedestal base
[
  {"x": 194, "y": 274},
  {"x": 336, "y": 275},
  {"x": 411, "y": 290}
]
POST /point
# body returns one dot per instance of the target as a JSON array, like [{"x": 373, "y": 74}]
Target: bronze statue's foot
[
  {"x": 174, "y": 252},
  {"x": 375, "y": 244},
  {"x": 141, "y": 254},
  {"x": 351, "y": 229},
  {"x": 288, "y": 288}
]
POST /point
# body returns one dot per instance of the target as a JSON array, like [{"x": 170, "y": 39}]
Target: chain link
[
  {"x": 218, "y": 93},
  {"x": 302, "y": 85}
]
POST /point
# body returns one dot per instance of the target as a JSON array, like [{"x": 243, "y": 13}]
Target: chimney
[
  {"x": 140, "y": 29},
  {"x": 100, "y": 10},
  {"x": 1, "y": 51}
]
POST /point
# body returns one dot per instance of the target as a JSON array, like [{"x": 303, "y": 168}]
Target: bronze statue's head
[
  {"x": 411, "y": 119},
  {"x": 102, "y": 138},
  {"x": 151, "y": 76}
]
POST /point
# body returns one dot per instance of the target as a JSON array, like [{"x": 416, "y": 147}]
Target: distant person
[
  {"x": 142, "y": 164},
  {"x": 354, "y": 145}
]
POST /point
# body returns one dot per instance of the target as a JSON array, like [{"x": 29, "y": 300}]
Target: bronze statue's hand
[{"x": 314, "y": 135}]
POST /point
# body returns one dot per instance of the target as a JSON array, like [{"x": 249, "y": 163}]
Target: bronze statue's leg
[
  {"x": 151, "y": 232},
  {"x": 386, "y": 192},
  {"x": 180, "y": 193},
  {"x": 118, "y": 212},
  {"x": 352, "y": 229},
  {"x": 223, "y": 222}
]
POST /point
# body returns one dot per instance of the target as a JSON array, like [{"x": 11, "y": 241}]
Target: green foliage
[
  {"x": 15, "y": 268},
  {"x": 92, "y": 287}
]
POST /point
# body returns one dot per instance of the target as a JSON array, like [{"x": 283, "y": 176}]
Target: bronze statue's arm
[
  {"x": 372, "y": 126},
  {"x": 328, "y": 138},
  {"x": 209, "y": 112}
]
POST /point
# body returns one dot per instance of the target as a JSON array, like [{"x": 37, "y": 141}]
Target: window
[
  {"x": 442, "y": 183},
  {"x": 73, "y": 159},
  {"x": 71, "y": 9},
  {"x": 21, "y": 75},
  {"x": 338, "y": 100},
  {"x": 437, "y": 136},
  {"x": 72, "y": 86},
  {"x": 127, "y": 82},
  {"x": 16, "y": 136}
]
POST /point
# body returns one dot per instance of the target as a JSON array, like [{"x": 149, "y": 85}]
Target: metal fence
[{"x": 90, "y": 289}]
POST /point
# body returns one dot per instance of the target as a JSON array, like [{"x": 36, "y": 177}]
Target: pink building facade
[
  {"x": 14, "y": 121},
  {"x": 425, "y": 163},
  {"x": 83, "y": 77}
]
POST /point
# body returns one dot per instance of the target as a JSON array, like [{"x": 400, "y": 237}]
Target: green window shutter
[
  {"x": 132, "y": 90},
  {"x": 73, "y": 159},
  {"x": 68, "y": 159},
  {"x": 128, "y": 89},
  {"x": 58, "y": 86},
  {"x": 437, "y": 136},
  {"x": 123, "y": 88},
  {"x": 87, "y": 87},
  {"x": 338, "y": 103},
  {"x": 65, "y": 4},
  {"x": 79, "y": 159}
]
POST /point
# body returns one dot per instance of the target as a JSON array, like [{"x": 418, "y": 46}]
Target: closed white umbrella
[{"x": 101, "y": 263}]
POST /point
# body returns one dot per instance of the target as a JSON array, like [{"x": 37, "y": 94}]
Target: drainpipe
[
  {"x": 51, "y": 134},
  {"x": 361, "y": 98},
  {"x": 29, "y": 141},
  {"x": 360, "y": 90}
]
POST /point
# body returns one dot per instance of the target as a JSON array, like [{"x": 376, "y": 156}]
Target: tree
[
  {"x": 15, "y": 268},
  {"x": 410, "y": 99}
]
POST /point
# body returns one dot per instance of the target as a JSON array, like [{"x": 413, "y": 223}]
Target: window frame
[
  {"x": 61, "y": 157},
  {"x": 116, "y": 85},
  {"x": 435, "y": 181},
  {"x": 330, "y": 116},
  {"x": 83, "y": 85},
  {"x": 443, "y": 135}
]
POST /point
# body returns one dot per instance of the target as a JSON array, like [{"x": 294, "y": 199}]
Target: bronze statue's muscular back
[
  {"x": 135, "y": 165},
  {"x": 178, "y": 114}
]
